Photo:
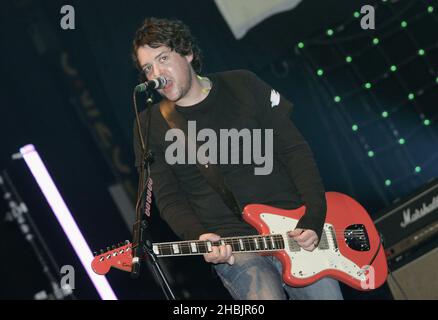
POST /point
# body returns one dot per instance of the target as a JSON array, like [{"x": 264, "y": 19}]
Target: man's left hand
[{"x": 306, "y": 238}]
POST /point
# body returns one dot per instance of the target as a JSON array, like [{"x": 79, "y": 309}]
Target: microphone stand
[{"x": 142, "y": 242}]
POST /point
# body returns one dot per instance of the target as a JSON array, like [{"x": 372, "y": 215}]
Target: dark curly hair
[{"x": 173, "y": 34}]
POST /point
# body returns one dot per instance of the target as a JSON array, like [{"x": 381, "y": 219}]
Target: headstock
[{"x": 118, "y": 256}]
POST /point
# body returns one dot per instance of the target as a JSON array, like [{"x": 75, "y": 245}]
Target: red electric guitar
[{"x": 350, "y": 248}]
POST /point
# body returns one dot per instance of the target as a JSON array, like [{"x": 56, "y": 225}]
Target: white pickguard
[{"x": 305, "y": 263}]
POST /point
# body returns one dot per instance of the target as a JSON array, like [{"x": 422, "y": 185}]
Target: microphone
[{"x": 158, "y": 83}]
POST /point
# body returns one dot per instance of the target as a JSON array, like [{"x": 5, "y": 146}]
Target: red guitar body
[{"x": 357, "y": 240}]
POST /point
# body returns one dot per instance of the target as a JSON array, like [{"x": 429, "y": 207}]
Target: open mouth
[{"x": 169, "y": 84}]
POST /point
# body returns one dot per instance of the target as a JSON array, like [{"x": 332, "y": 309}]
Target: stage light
[
  {"x": 385, "y": 114},
  {"x": 426, "y": 122},
  {"x": 417, "y": 169},
  {"x": 65, "y": 219},
  {"x": 329, "y": 32},
  {"x": 348, "y": 59},
  {"x": 320, "y": 72},
  {"x": 376, "y": 41},
  {"x": 301, "y": 45},
  {"x": 404, "y": 24},
  {"x": 387, "y": 182},
  {"x": 355, "y": 127},
  {"x": 401, "y": 141},
  {"x": 393, "y": 68},
  {"x": 337, "y": 99},
  {"x": 370, "y": 154},
  {"x": 430, "y": 9},
  {"x": 367, "y": 85},
  {"x": 411, "y": 96},
  {"x": 421, "y": 52},
  {"x": 356, "y": 14}
]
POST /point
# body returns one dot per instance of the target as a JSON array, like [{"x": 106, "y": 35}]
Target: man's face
[{"x": 162, "y": 61}]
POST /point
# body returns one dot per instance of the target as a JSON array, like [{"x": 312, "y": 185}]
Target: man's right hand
[{"x": 219, "y": 254}]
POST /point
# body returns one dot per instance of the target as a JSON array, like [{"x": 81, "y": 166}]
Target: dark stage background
[{"x": 69, "y": 92}]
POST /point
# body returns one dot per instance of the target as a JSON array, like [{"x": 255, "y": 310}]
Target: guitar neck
[{"x": 256, "y": 243}]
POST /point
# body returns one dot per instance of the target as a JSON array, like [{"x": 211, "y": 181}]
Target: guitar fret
[
  {"x": 245, "y": 246},
  {"x": 175, "y": 248},
  {"x": 242, "y": 248},
  {"x": 256, "y": 244},
  {"x": 250, "y": 244},
  {"x": 265, "y": 244},
  {"x": 185, "y": 248},
  {"x": 193, "y": 247},
  {"x": 269, "y": 242},
  {"x": 202, "y": 247},
  {"x": 272, "y": 242},
  {"x": 260, "y": 242},
  {"x": 280, "y": 242},
  {"x": 234, "y": 245}
]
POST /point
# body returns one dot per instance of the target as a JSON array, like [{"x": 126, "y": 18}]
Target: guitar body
[{"x": 347, "y": 222}]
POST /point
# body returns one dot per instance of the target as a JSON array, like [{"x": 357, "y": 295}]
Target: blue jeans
[{"x": 255, "y": 277}]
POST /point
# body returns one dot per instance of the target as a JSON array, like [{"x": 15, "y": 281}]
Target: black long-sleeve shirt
[{"x": 238, "y": 99}]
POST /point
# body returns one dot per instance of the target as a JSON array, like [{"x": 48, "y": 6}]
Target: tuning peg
[
  {"x": 108, "y": 248},
  {"x": 114, "y": 247},
  {"x": 94, "y": 253},
  {"x": 126, "y": 241},
  {"x": 102, "y": 251}
]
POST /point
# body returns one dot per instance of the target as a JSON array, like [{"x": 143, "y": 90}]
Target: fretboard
[{"x": 238, "y": 244}]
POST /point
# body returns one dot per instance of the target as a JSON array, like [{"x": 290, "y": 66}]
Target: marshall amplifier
[{"x": 410, "y": 233}]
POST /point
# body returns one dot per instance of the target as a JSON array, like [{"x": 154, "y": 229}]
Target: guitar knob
[
  {"x": 94, "y": 253},
  {"x": 102, "y": 251},
  {"x": 108, "y": 248},
  {"x": 114, "y": 247}
]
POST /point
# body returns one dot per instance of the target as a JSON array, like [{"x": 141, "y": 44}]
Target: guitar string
[
  {"x": 237, "y": 240},
  {"x": 356, "y": 233},
  {"x": 248, "y": 246},
  {"x": 280, "y": 244}
]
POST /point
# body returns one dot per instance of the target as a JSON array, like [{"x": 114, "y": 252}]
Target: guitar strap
[{"x": 210, "y": 171}]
